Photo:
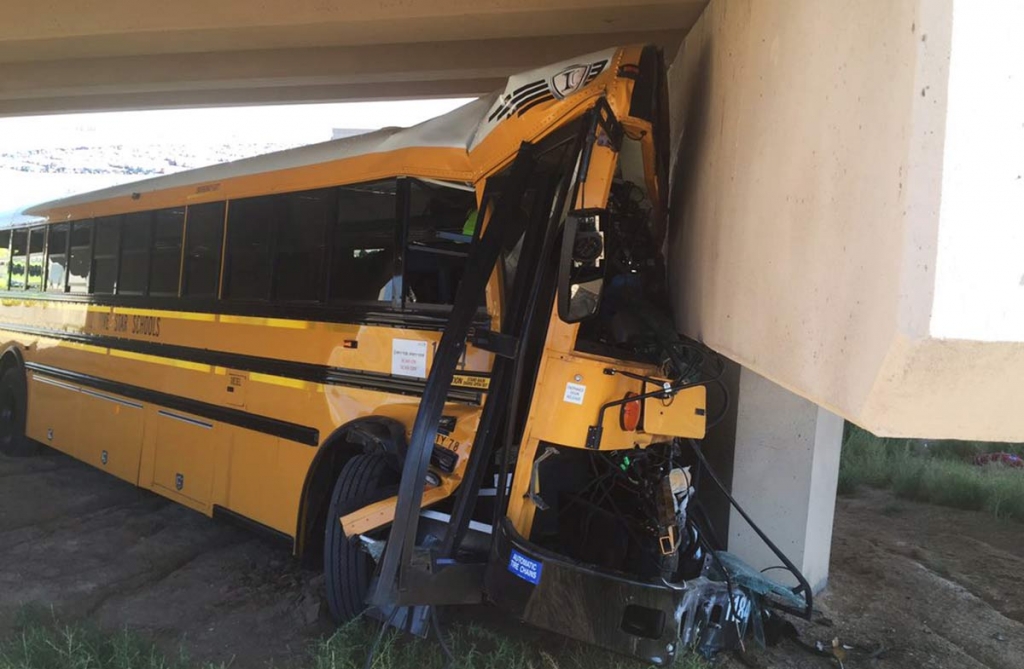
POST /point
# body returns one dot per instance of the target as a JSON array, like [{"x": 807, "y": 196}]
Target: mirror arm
[
  {"x": 596, "y": 432},
  {"x": 609, "y": 123},
  {"x": 605, "y": 118}
]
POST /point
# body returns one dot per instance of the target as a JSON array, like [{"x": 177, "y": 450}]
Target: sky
[{"x": 26, "y": 179}]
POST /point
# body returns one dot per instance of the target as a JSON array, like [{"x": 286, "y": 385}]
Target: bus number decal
[{"x": 446, "y": 443}]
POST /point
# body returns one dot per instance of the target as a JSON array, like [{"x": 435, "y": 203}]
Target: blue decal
[{"x": 524, "y": 567}]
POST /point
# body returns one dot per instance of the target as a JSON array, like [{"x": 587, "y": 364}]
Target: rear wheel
[
  {"x": 13, "y": 415},
  {"x": 348, "y": 568}
]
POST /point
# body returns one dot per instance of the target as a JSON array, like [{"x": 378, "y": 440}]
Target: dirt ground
[
  {"x": 96, "y": 548},
  {"x": 917, "y": 586},
  {"x": 911, "y": 585}
]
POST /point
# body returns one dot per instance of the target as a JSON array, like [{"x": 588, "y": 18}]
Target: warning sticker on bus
[{"x": 471, "y": 381}]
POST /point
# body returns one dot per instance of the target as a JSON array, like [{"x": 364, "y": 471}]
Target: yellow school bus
[{"x": 438, "y": 359}]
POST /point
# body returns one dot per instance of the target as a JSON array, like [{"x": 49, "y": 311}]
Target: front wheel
[
  {"x": 348, "y": 569},
  {"x": 13, "y": 415}
]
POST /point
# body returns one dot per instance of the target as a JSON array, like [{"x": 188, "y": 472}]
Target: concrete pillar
[
  {"x": 785, "y": 470},
  {"x": 846, "y": 202}
]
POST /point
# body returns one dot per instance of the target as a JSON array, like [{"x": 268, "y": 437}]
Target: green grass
[
  {"x": 41, "y": 641},
  {"x": 938, "y": 472},
  {"x": 473, "y": 647}
]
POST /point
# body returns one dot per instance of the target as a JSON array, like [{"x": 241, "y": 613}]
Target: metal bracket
[
  {"x": 609, "y": 123},
  {"x": 442, "y": 582},
  {"x": 534, "y": 489},
  {"x": 497, "y": 343}
]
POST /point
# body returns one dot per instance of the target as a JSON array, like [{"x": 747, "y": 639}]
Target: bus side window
[
  {"x": 36, "y": 250},
  {"x": 363, "y": 243},
  {"x": 81, "y": 257},
  {"x": 19, "y": 259},
  {"x": 104, "y": 262},
  {"x": 302, "y": 225},
  {"x": 442, "y": 224},
  {"x": 135, "y": 242},
  {"x": 250, "y": 239},
  {"x": 204, "y": 235},
  {"x": 165, "y": 264},
  {"x": 56, "y": 257},
  {"x": 5, "y": 258}
]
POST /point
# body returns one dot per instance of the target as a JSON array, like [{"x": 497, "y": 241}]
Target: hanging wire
[
  {"x": 435, "y": 625},
  {"x": 380, "y": 635}
]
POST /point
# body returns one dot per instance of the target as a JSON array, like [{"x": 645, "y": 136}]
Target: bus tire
[
  {"x": 348, "y": 569},
  {"x": 14, "y": 414}
]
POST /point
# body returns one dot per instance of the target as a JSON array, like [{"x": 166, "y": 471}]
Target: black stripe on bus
[
  {"x": 238, "y": 520},
  {"x": 533, "y": 102},
  {"x": 419, "y": 317},
  {"x": 278, "y": 428},
  {"x": 509, "y": 104},
  {"x": 301, "y": 371}
]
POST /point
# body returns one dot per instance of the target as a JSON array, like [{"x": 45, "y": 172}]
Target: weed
[
  {"x": 940, "y": 472},
  {"x": 473, "y": 647},
  {"x": 54, "y": 645},
  {"x": 892, "y": 509},
  {"x": 43, "y": 642}
]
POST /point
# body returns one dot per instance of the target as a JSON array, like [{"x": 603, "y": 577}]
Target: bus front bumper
[{"x": 649, "y": 621}]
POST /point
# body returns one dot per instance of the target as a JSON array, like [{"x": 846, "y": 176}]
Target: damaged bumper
[{"x": 649, "y": 621}]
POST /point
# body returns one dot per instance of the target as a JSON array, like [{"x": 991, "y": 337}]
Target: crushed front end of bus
[
  {"x": 720, "y": 603},
  {"x": 578, "y": 508}
]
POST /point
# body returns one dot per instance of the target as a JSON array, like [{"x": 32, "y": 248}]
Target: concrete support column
[{"x": 785, "y": 470}]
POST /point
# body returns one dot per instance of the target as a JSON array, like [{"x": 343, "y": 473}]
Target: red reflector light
[{"x": 629, "y": 416}]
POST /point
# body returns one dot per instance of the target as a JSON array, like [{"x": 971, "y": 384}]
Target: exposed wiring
[
  {"x": 804, "y": 586},
  {"x": 714, "y": 552}
]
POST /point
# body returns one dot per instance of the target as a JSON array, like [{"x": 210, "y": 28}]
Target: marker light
[{"x": 629, "y": 416}]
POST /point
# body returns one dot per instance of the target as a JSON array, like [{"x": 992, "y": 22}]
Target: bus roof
[
  {"x": 462, "y": 129},
  {"x": 446, "y": 131}
]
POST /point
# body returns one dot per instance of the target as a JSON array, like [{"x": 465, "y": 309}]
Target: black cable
[
  {"x": 805, "y": 587},
  {"x": 695, "y": 481},
  {"x": 726, "y": 403},
  {"x": 380, "y": 635},
  {"x": 711, "y": 549},
  {"x": 436, "y": 626},
  {"x": 709, "y": 527}
]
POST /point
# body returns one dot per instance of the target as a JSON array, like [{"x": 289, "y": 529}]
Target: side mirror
[{"x": 582, "y": 267}]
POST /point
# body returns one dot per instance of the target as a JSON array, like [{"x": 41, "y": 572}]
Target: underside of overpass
[{"x": 123, "y": 54}]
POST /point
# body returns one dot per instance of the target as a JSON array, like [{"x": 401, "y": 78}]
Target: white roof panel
[{"x": 463, "y": 128}]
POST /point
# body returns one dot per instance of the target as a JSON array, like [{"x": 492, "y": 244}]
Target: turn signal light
[{"x": 629, "y": 416}]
